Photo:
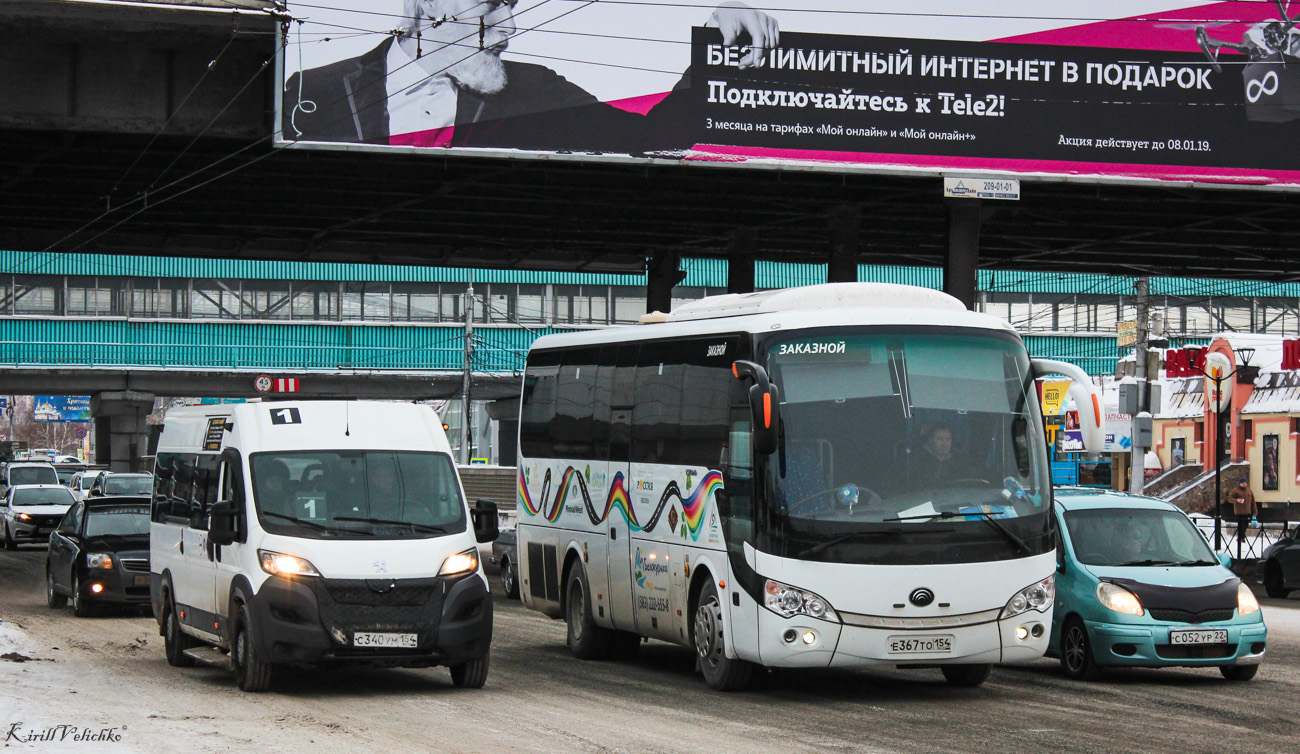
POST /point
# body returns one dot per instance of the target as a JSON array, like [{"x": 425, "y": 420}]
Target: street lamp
[{"x": 1217, "y": 376}]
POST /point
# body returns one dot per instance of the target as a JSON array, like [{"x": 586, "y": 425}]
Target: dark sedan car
[
  {"x": 99, "y": 555},
  {"x": 1282, "y": 565},
  {"x": 505, "y": 556}
]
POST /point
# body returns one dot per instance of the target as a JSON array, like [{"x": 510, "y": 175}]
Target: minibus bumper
[{"x": 306, "y": 622}]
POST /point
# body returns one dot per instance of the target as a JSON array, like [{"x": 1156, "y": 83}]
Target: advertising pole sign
[
  {"x": 61, "y": 408},
  {"x": 1099, "y": 91}
]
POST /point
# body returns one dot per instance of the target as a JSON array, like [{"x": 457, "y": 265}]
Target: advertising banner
[
  {"x": 1102, "y": 91},
  {"x": 61, "y": 408}
]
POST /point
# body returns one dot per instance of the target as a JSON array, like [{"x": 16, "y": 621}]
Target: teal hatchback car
[{"x": 1137, "y": 585}]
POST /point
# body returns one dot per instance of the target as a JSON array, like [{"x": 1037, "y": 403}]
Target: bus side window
[{"x": 164, "y": 469}]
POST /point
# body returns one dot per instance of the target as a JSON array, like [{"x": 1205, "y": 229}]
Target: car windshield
[
  {"x": 32, "y": 475},
  {"x": 906, "y": 445},
  {"x": 43, "y": 496},
  {"x": 370, "y": 493},
  {"x": 1135, "y": 536},
  {"x": 65, "y": 475},
  {"x": 117, "y": 521},
  {"x": 88, "y": 481},
  {"x": 128, "y": 485}
]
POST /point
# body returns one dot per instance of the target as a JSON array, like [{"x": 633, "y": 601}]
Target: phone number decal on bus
[
  {"x": 800, "y": 349},
  {"x": 909, "y": 644},
  {"x": 653, "y": 604}
]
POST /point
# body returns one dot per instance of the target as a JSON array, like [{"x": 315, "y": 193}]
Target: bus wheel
[
  {"x": 965, "y": 676},
  {"x": 720, "y": 672},
  {"x": 587, "y": 640}
]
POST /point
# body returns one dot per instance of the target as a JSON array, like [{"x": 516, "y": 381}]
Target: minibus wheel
[
  {"x": 472, "y": 674},
  {"x": 251, "y": 673},
  {"x": 720, "y": 672},
  {"x": 175, "y": 641}
]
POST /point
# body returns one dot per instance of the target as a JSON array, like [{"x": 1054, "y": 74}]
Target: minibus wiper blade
[
  {"x": 1196, "y": 562},
  {"x": 1150, "y": 562},
  {"x": 984, "y": 516},
  {"x": 306, "y": 523},
  {"x": 412, "y": 524}
]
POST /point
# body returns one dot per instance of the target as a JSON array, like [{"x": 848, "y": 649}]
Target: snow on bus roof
[{"x": 824, "y": 296}]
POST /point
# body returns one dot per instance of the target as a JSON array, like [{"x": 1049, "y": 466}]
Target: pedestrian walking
[{"x": 1244, "y": 506}]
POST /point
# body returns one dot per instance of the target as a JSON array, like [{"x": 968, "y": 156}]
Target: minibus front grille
[{"x": 382, "y": 592}]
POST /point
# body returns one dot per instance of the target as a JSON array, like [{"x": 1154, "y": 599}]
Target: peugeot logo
[
  {"x": 921, "y": 597},
  {"x": 380, "y": 566}
]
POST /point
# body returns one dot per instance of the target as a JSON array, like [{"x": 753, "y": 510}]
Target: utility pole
[
  {"x": 465, "y": 380},
  {"x": 1143, "y": 415}
]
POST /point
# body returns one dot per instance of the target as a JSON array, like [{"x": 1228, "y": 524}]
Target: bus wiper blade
[
  {"x": 306, "y": 523},
  {"x": 984, "y": 516},
  {"x": 412, "y": 524},
  {"x": 857, "y": 534},
  {"x": 1149, "y": 562}
]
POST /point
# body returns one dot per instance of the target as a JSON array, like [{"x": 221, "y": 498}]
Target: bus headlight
[
  {"x": 788, "y": 601},
  {"x": 1119, "y": 599},
  {"x": 1038, "y": 596}
]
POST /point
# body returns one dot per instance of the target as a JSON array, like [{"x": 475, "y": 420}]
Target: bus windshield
[
  {"x": 324, "y": 494},
  {"x": 906, "y": 445}
]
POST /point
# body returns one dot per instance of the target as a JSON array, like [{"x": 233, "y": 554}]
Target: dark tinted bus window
[
  {"x": 572, "y": 430},
  {"x": 657, "y": 412},
  {"x": 708, "y": 390},
  {"x": 537, "y": 410},
  {"x": 164, "y": 478}
]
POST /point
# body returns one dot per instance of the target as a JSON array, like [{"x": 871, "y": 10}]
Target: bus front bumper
[{"x": 803, "y": 642}]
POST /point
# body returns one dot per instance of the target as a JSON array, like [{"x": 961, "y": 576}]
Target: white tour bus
[
  {"x": 841, "y": 475},
  {"x": 313, "y": 533}
]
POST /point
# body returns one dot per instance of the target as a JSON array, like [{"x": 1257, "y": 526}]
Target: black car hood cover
[{"x": 1194, "y": 599}]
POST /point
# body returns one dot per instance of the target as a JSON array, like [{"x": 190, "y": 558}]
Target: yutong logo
[
  {"x": 921, "y": 597},
  {"x": 800, "y": 349}
]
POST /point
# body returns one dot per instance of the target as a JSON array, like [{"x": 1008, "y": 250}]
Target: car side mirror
[
  {"x": 221, "y": 523},
  {"x": 96, "y": 493},
  {"x": 486, "y": 527},
  {"x": 1225, "y": 560}
]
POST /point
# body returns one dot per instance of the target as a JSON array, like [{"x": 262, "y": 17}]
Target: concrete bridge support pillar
[{"x": 121, "y": 436}]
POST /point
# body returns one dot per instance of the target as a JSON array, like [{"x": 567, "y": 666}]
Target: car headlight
[
  {"x": 788, "y": 601},
  {"x": 279, "y": 564},
  {"x": 1037, "y": 596},
  {"x": 24, "y": 517},
  {"x": 1246, "y": 602},
  {"x": 1119, "y": 599},
  {"x": 461, "y": 562},
  {"x": 99, "y": 560}
]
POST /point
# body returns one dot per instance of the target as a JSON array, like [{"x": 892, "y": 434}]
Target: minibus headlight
[
  {"x": 279, "y": 564},
  {"x": 788, "y": 601},
  {"x": 1246, "y": 602},
  {"x": 99, "y": 560},
  {"x": 1119, "y": 599},
  {"x": 1038, "y": 596},
  {"x": 461, "y": 562}
]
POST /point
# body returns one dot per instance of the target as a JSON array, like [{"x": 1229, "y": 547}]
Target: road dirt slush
[{"x": 108, "y": 673}]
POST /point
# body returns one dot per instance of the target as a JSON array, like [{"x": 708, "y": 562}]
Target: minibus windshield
[
  {"x": 1136, "y": 537},
  {"x": 906, "y": 445},
  {"x": 325, "y": 494}
]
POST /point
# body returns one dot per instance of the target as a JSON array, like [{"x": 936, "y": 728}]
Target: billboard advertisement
[
  {"x": 61, "y": 408},
  {"x": 1103, "y": 91}
]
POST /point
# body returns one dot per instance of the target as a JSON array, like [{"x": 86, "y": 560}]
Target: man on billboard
[{"x": 440, "y": 81}]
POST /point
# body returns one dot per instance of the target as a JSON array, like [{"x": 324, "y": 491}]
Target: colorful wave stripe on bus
[
  {"x": 693, "y": 506},
  {"x": 526, "y": 498}
]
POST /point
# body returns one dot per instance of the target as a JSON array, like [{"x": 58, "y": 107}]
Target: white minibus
[
  {"x": 314, "y": 533},
  {"x": 841, "y": 475}
]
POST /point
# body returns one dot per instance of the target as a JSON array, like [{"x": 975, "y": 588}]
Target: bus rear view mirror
[
  {"x": 763, "y": 405},
  {"x": 221, "y": 523},
  {"x": 486, "y": 525},
  {"x": 1086, "y": 396}
]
